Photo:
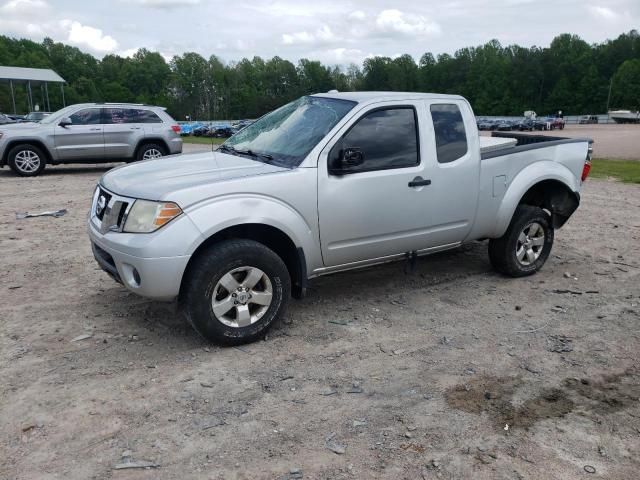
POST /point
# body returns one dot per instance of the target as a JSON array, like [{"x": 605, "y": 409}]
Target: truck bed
[{"x": 526, "y": 142}]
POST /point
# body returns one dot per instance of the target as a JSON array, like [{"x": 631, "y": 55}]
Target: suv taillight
[
  {"x": 587, "y": 164},
  {"x": 175, "y": 128}
]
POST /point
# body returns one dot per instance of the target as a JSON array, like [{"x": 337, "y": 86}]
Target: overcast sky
[{"x": 333, "y": 31}]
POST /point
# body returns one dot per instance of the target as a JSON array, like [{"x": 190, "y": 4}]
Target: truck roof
[{"x": 366, "y": 97}]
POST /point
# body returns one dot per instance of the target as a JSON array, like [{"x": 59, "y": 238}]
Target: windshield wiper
[
  {"x": 227, "y": 148},
  {"x": 250, "y": 153},
  {"x": 256, "y": 154}
]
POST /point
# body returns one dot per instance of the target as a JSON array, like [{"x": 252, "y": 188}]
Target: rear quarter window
[
  {"x": 130, "y": 115},
  {"x": 451, "y": 137}
]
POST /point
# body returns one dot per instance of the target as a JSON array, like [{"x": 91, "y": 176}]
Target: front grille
[
  {"x": 101, "y": 205},
  {"x": 110, "y": 211}
]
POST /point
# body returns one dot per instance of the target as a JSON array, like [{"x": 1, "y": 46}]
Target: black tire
[
  {"x": 202, "y": 283},
  {"x": 503, "y": 250},
  {"x": 22, "y": 167},
  {"x": 149, "y": 148}
]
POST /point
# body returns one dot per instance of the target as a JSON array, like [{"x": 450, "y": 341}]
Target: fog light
[{"x": 131, "y": 276}]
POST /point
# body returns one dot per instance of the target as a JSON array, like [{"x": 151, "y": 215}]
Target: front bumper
[{"x": 147, "y": 264}]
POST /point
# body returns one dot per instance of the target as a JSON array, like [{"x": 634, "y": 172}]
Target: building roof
[{"x": 20, "y": 74}]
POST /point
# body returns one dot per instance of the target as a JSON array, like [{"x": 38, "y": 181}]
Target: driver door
[
  {"x": 83, "y": 139},
  {"x": 373, "y": 187}
]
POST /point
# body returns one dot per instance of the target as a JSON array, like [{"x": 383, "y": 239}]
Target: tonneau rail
[{"x": 529, "y": 142}]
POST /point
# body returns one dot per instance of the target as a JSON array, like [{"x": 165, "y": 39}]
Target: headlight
[{"x": 147, "y": 217}]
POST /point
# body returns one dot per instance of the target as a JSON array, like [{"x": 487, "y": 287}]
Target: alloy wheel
[
  {"x": 27, "y": 161},
  {"x": 151, "y": 154},
  {"x": 530, "y": 243},
  {"x": 242, "y": 297}
]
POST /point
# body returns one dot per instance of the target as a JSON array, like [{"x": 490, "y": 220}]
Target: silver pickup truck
[{"x": 327, "y": 183}]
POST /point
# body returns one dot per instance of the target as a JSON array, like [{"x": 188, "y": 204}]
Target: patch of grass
[
  {"x": 627, "y": 171},
  {"x": 203, "y": 140}
]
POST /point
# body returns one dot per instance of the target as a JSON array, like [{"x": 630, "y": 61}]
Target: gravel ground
[
  {"x": 446, "y": 371},
  {"x": 610, "y": 140}
]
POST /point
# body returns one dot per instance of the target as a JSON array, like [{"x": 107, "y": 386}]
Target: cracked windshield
[{"x": 286, "y": 136}]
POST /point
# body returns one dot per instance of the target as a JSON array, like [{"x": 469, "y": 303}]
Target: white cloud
[
  {"x": 600, "y": 12},
  {"x": 297, "y": 37},
  {"x": 23, "y": 7},
  {"x": 84, "y": 35},
  {"x": 167, "y": 4},
  {"x": 357, "y": 15},
  {"x": 395, "y": 21},
  {"x": 323, "y": 34},
  {"x": 128, "y": 53}
]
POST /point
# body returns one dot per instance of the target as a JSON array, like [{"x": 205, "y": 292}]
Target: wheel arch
[
  {"x": 555, "y": 197},
  {"x": 150, "y": 140},
  {"x": 268, "y": 235},
  {"x": 36, "y": 143},
  {"x": 548, "y": 185}
]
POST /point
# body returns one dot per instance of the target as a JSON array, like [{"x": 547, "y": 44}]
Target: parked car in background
[
  {"x": 504, "y": 125},
  {"x": 4, "y": 119},
  {"x": 541, "y": 124},
  {"x": 525, "y": 124},
  {"x": 487, "y": 124},
  {"x": 556, "y": 123},
  {"x": 17, "y": 118},
  {"x": 587, "y": 119},
  {"x": 89, "y": 133},
  {"x": 199, "y": 130},
  {"x": 224, "y": 130},
  {"x": 328, "y": 183},
  {"x": 36, "y": 116}
]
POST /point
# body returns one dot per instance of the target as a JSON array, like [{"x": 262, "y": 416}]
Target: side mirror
[
  {"x": 343, "y": 160},
  {"x": 352, "y": 157},
  {"x": 65, "y": 122}
]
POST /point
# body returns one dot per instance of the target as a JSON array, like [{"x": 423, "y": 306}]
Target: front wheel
[
  {"x": 26, "y": 160},
  {"x": 235, "y": 291},
  {"x": 526, "y": 245}
]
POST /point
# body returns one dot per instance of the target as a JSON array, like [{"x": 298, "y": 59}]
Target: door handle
[
  {"x": 135, "y": 128},
  {"x": 419, "y": 182},
  {"x": 95, "y": 129}
]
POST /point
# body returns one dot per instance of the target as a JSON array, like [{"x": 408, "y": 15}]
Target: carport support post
[
  {"x": 62, "y": 90},
  {"x": 13, "y": 97},
  {"x": 29, "y": 95},
  {"x": 46, "y": 89}
]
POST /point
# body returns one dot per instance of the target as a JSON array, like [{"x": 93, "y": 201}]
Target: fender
[
  {"x": 231, "y": 210},
  {"x": 524, "y": 180}
]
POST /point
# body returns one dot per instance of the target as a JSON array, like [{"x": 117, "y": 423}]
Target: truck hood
[{"x": 165, "y": 178}]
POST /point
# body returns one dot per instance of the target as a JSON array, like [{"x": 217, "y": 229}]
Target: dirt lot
[
  {"x": 449, "y": 371},
  {"x": 610, "y": 141}
]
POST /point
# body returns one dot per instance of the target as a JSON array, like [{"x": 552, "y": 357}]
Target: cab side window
[
  {"x": 88, "y": 116},
  {"x": 451, "y": 137},
  {"x": 382, "y": 139}
]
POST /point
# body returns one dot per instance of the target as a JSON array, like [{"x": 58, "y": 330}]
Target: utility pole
[{"x": 609, "y": 98}]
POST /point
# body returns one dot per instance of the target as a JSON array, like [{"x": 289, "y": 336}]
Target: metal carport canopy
[{"x": 38, "y": 76}]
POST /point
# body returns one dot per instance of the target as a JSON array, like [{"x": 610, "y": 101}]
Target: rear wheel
[
  {"x": 150, "y": 151},
  {"x": 525, "y": 246},
  {"x": 235, "y": 291},
  {"x": 27, "y": 160}
]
